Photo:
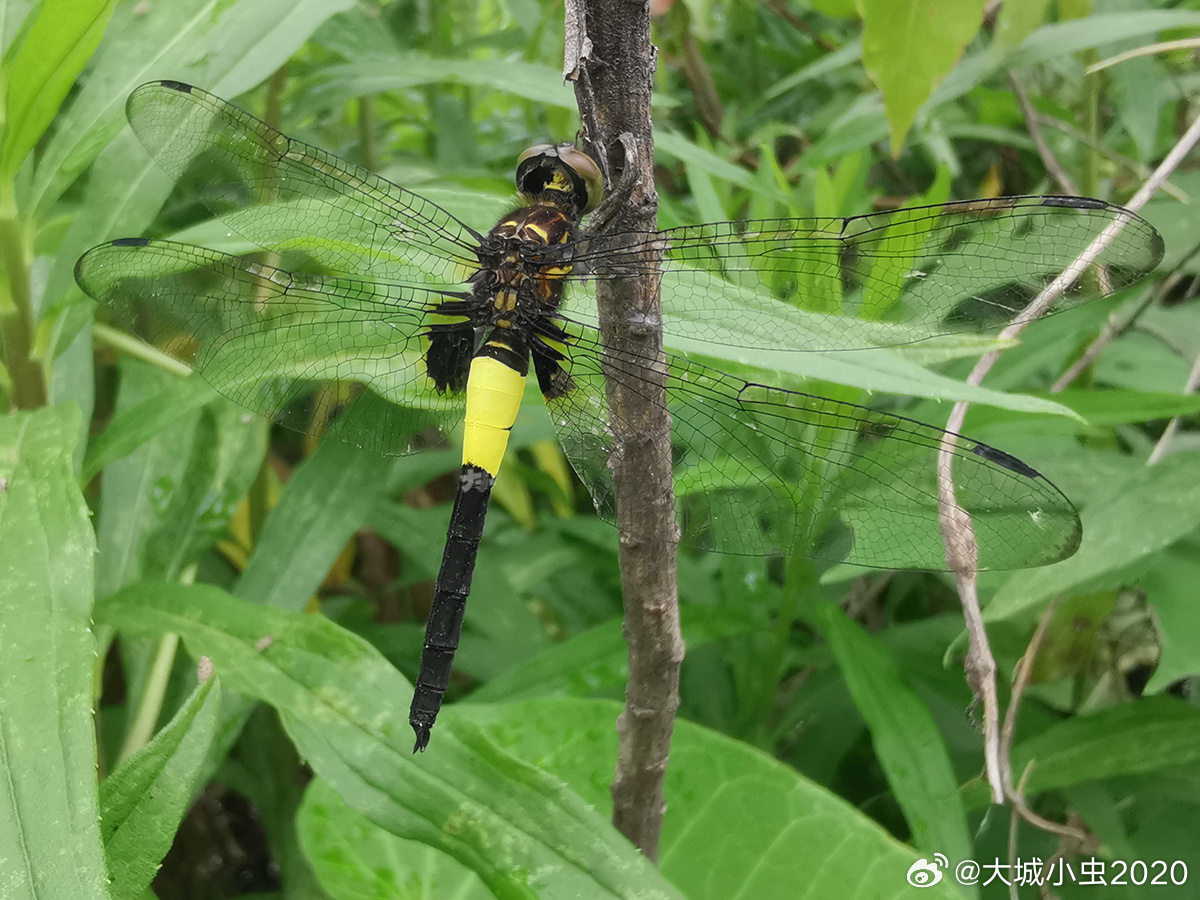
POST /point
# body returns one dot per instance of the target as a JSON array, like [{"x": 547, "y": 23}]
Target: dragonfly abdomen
[
  {"x": 444, "y": 627},
  {"x": 494, "y": 391}
]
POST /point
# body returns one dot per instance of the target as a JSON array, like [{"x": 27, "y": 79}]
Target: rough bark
[{"x": 611, "y": 60}]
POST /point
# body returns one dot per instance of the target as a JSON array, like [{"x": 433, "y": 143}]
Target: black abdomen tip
[{"x": 422, "y": 733}]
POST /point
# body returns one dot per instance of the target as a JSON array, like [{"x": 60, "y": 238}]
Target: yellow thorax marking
[{"x": 506, "y": 300}]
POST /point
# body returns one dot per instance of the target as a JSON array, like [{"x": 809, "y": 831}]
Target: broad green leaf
[
  {"x": 134, "y": 427},
  {"x": 1109, "y": 407},
  {"x": 1153, "y": 509},
  {"x": 228, "y": 47},
  {"x": 574, "y": 667},
  {"x": 1139, "y": 106},
  {"x": 143, "y": 801},
  {"x": 739, "y": 824},
  {"x": 539, "y": 83},
  {"x": 521, "y": 831},
  {"x": 49, "y": 834},
  {"x": 756, "y": 826},
  {"x": 908, "y": 48},
  {"x": 1130, "y": 739},
  {"x": 43, "y": 71},
  {"x": 1053, "y": 43},
  {"x": 167, "y": 502},
  {"x": 907, "y": 742},
  {"x": 357, "y": 860},
  {"x": 324, "y": 504},
  {"x": 1059, "y": 39}
]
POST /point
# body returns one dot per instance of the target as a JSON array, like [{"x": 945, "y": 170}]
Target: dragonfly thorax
[
  {"x": 514, "y": 298},
  {"x": 523, "y": 262}
]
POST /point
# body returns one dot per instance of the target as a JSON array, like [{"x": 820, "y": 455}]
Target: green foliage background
[{"x": 824, "y": 746}]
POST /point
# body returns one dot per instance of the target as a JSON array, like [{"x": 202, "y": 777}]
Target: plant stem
[
  {"x": 150, "y": 704},
  {"x": 139, "y": 349},
  {"x": 17, "y": 323}
]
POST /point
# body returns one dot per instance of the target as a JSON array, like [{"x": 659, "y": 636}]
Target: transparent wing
[
  {"x": 761, "y": 469},
  {"x": 268, "y": 339},
  {"x": 887, "y": 279},
  {"x": 287, "y": 196}
]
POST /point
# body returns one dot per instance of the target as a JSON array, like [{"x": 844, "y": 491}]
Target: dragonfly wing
[
  {"x": 888, "y": 279},
  {"x": 268, "y": 339},
  {"x": 761, "y": 470},
  {"x": 285, "y": 195}
]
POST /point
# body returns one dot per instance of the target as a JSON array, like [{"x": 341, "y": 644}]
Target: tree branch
[{"x": 613, "y": 60}]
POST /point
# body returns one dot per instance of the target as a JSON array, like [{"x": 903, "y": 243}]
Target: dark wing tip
[
  {"x": 1007, "y": 460},
  {"x": 1075, "y": 202},
  {"x": 81, "y": 274},
  {"x": 175, "y": 86}
]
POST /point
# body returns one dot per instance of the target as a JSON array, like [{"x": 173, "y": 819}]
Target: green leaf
[
  {"x": 1105, "y": 407},
  {"x": 1130, "y": 739},
  {"x": 326, "y": 501},
  {"x": 43, "y": 71},
  {"x": 149, "y": 418},
  {"x": 357, "y": 860},
  {"x": 227, "y": 47},
  {"x": 908, "y": 48},
  {"x": 907, "y": 742},
  {"x": 539, "y": 83},
  {"x": 49, "y": 833},
  {"x": 521, "y": 832},
  {"x": 1154, "y": 508},
  {"x": 1170, "y": 586},
  {"x": 1017, "y": 20},
  {"x": 738, "y": 823},
  {"x": 143, "y": 802},
  {"x": 575, "y": 666},
  {"x": 168, "y": 501}
]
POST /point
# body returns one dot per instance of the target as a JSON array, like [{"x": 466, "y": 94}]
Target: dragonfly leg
[{"x": 619, "y": 193}]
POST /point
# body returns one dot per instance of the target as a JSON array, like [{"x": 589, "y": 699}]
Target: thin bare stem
[
  {"x": 1020, "y": 683},
  {"x": 959, "y": 537},
  {"x": 1148, "y": 50},
  {"x": 139, "y": 349},
  {"x": 1164, "y": 441},
  {"x": 1065, "y": 182},
  {"x": 1113, "y": 329},
  {"x": 1135, "y": 168}
]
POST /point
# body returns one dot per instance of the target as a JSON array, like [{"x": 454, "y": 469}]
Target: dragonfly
[{"x": 415, "y": 322}]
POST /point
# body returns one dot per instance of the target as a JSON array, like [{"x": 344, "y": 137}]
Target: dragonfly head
[{"x": 561, "y": 176}]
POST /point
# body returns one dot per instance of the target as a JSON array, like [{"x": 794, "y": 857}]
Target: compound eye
[
  {"x": 537, "y": 150},
  {"x": 585, "y": 167},
  {"x": 561, "y": 175}
]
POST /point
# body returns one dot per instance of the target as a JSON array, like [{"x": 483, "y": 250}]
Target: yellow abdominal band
[{"x": 494, "y": 393}]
